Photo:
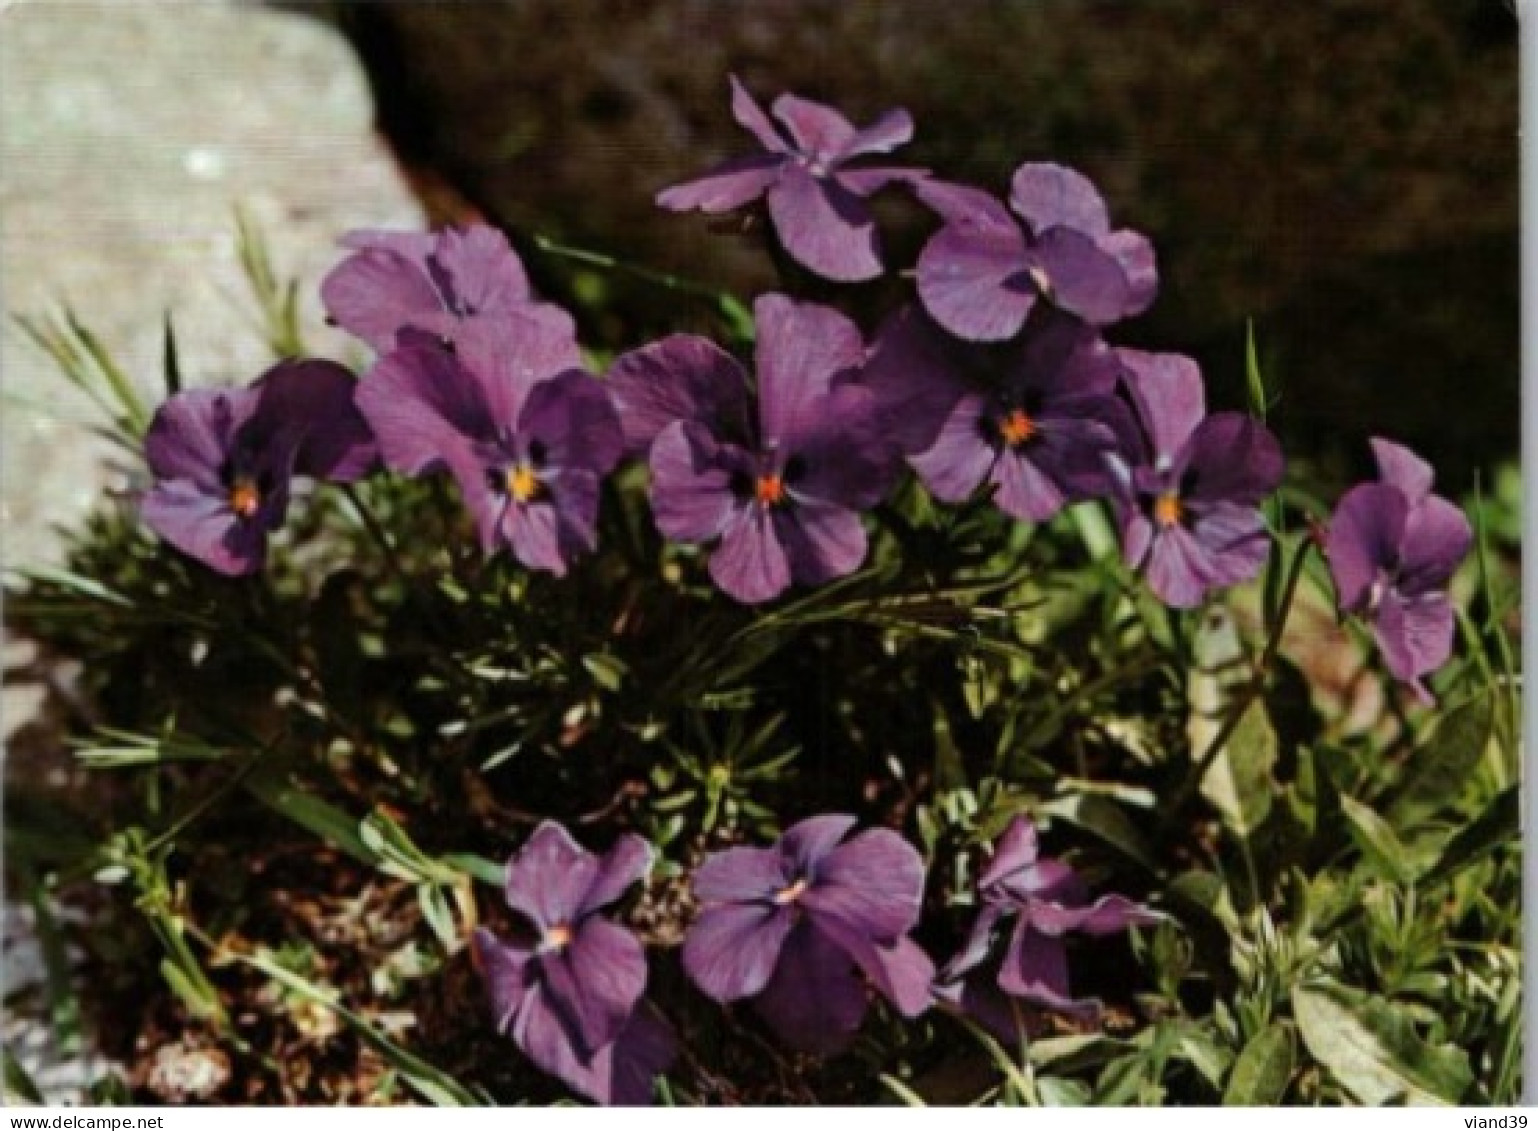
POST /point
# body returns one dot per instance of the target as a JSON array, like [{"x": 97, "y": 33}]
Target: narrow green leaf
[
  {"x": 1075, "y": 1054},
  {"x": 1374, "y": 1052},
  {"x": 123, "y": 390},
  {"x": 1375, "y": 838},
  {"x": 428, "y": 1081},
  {"x": 85, "y": 586},
  {"x": 1263, "y": 1070},
  {"x": 1198, "y": 1048},
  {"x": 1500, "y": 823},
  {"x": 907, "y": 1095},
  {"x": 324, "y": 820},
  {"x": 196, "y": 998},
  {"x": 435, "y": 909},
  {"x": 1054, "y": 1091},
  {"x": 19, "y": 1086},
  {"x": 63, "y": 1002},
  {"x": 172, "y": 366},
  {"x": 1254, "y": 383},
  {"x": 1121, "y": 1082},
  {"x": 477, "y": 868}
]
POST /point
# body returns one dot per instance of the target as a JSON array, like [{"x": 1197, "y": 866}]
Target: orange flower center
[
  {"x": 557, "y": 937},
  {"x": 769, "y": 490},
  {"x": 1017, "y": 427},
  {"x": 245, "y": 498},
  {"x": 1167, "y": 509},
  {"x": 522, "y": 483},
  {"x": 790, "y": 894}
]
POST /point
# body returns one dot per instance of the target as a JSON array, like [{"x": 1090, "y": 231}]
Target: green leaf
[
  {"x": 1198, "y": 1048},
  {"x": 173, "y": 366},
  {"x": 199, "y": 1000},
  {"x": 1121, "y": 1082},
  {"x": 1438, "y": 769},
  {"x": 1076, "y": 1053},
  {"x": 117, "y": 381},
  {"x": 907, "y": 1095},
  {"x": 1105, "y": 819},
  {"x": 428, "y": 1081},
  {"x": 477, "y": 868},
  {"x": 1263, "y": 1070},
  {"x": 1239, "y": 784},
  {"x": 1375, "y": 838},
  {"x": 1373, "y": 1051},
  {"x": 1254, "y": 383},
  {"x": 1054, "y": 1091},
  {"x": 435, "y": 909},
  {"x": 1500, "y": 823},
  {"x": 19, "y": 1086},
  {"x": 325, "y": 821}
]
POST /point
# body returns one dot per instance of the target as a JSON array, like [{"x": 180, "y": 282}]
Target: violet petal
[
  {"x": 814, "y": 1002},
  {"x": 972, "y": 281},
  {"x": 1047, "y": 195},
  {"x": 731, "y": 950},
  {"x": 682, "y": 377},
  {"x": 750, "y": 564},
  {"x": 825, "y": 227},
  {"x": 594, "y": 982},
  {"x": 548, "y": 878}
]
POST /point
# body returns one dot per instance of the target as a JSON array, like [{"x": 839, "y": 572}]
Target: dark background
[{"x": 1344, "y": 173}]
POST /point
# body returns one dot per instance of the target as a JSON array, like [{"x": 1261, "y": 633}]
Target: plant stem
[
  {"x": 729, "y": 306},
  {"x": 1250, "y": 692},
  {"x": 375, "y": 531}
]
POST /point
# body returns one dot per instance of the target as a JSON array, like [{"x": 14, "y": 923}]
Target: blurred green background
[{"x": 1344, "y": 173}]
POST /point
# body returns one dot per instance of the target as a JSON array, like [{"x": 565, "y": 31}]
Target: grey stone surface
[{"x": 129, "y": 132}]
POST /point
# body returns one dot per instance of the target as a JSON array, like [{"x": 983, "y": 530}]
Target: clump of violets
[
  {"x": 1033, "y": 419},
  {"x": 793, "y": 926},
  {"x": 815, "y": 197},
  {"x": 223, "y": 460},
  {"x": 567, "y": 987},
  {"x": 1015, "y": 952},
  {"x": 986, "y": 269},
  {"x": 1393, "y": 547},
  {"x": 780, "y": 490},
  {"x": 1188, "y": 486},
  {"x": 527, "y": 433},
  {"x": 432, "y": 282}
]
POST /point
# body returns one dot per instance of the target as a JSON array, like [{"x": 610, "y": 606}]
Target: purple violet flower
[
  {"x": 223, "y": 459},
  {"x": 527, "y": 433},
  {"x": 784, "y": 497},
  {"x": 1015, "y": 950},
  {"x": 568, "y": 991},
  {"x": 816, "y": 201},
  {"x": 1393, "y": 547},
  {"x": 981, "y": 274},
  {"x": 429, "y": 281},
  {"x": 788, "y": 926},
  {"x": 1034, "y": 419},
  {"x": 1189, "y": 502}
]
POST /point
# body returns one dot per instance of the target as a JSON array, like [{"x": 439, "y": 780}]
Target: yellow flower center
[
  {"x": 1017, "y": 427},
  {"x": 790, "y": 894},
  {"x": 522, "y": 483},
  {"x": 245, "y": 498},
  {"x": 1167, "y": 509},
  {"x": 557, "y": 937},
  {"x": 769, "y": 490}
]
